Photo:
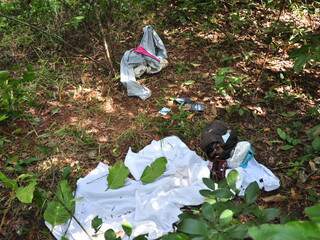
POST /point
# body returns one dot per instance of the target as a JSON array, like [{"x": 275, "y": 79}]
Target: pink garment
[{"x": 143, "y": 51}]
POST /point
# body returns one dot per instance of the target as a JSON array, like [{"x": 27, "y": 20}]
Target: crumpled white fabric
[
  {"x": 134, "y": 64},
  {"x": 242, "y": 159},
  {"x": 150, "y": 208}
]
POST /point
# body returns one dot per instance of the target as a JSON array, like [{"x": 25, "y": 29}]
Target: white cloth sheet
[{"x": 150, "y": 208}]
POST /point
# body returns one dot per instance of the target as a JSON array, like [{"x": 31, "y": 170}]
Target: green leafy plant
[
  {"x": 96, "y": 223},
  {"x": 111, "y": 235},
  {"x": 127, "y": 228},
  {"x": 311, "y": 149},
  {"x": 18, "y": 165},
  {"x": 237, "y": 109},
  {"x": 314, "y": 136},
  {"x": 61, "y": 208},
  {"x": 154, "y": 171},
  {"x": 293, "y": 230},
  {"x": 224, "y": 82},
  {"x": 14, "y": 94},
  {"x": 117, "y": 176},
  {"x": 290, "y": 141},
  {"x": 22, "y": 188},
  {"x": 182, "y": 67},
  {"x": 307, "y": 53},
  {"x": 180, "y": 124},
  {"x": 219, "y": 217}
]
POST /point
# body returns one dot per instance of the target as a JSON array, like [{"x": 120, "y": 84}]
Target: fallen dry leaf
[{"x": 274, "y": 198}]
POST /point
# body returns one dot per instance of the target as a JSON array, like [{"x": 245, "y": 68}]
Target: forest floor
[{"x": 84, "y": 117}]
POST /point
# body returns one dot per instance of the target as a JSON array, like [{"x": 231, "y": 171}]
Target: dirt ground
[{"x": 84, "y": 117}]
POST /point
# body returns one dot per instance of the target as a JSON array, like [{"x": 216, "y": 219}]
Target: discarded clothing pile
[
  {"x": 221, "y": 145},
  {"x": 149, "y": 57},
  {"x": 153, "y": 208},
  {"x": 150, "y": 208}
]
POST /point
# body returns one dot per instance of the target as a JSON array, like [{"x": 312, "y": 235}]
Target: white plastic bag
[{"x": 242, "y": 159}]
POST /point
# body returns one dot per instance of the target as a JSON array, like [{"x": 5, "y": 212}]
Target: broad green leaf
[
  {"x": 266, "y": 215},
  {"x": 223, "y": 183},
  {"x": 313, "y": 212},
  {"x": 56, "y": 214},
  {"x": 110, "y": 235},
  {"x": 62, "y": 207},
  {"x": 117, "y": 175},
  {"x": 40, "y": 197},
  {"x": 226, "y": 217},
  {"x": 206, "y": 193},
  {"x": 316, "y": 144},
  {"x": 25, "y": 194},
  {"x": 66, "y": 172},
  {"x": 29, "y": 76},
  {"x": 297, "y": 230},
  {"x": 141, "y": 237},
  {"x": 223, "y": 193},
  {"x": 96, "y": 223},
  {"x": 155, "y": 170},
  {"x": 271, "y": 214},
  {"x": 209, "y": 183},
  {"x": 300, "y": 62},
  {"x": 65, "y": 195},
  {"x": 282, "y": 134},
  {"x": 194, "y": 227},
  {"x": 252, "y": 192},
  {"x": 314, "y": 131},
  {"x": 208, "y": 212},
  {"x": 64, "y": 238},
  {"x": 185, "y": 215},
  {"x": 4, "y": 75},
  {"x": 238, "y": 232},
  {"x": 232, "y": 179},
  {"x": 127, "y": 228},
  {"x": 7, "y": 182}
]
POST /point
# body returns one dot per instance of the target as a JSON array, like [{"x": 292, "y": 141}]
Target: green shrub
[{"x": 14, "y": 94}]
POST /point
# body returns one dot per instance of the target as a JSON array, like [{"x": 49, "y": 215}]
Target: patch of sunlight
[
  {"x": 257, "y": 110},
  {"x": 102, "y": 139},
  {"x": 56, "y": 161},
  {"x": 107, "y": 105},
  {"x": 280, "y": 65},
  {"x": 296, "y": 92},
  {"x": 213, "y": 36}
]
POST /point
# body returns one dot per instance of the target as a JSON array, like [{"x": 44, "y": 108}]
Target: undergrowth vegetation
[{"x": 254, "y": 64}]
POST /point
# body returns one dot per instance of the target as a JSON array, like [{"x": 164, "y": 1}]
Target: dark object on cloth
[{"x": 217, "y": 141}]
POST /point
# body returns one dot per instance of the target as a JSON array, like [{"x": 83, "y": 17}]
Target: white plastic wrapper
[{"x": 242, "y": 160}]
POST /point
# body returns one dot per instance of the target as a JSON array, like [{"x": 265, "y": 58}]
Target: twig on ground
[
  {"x": 72, "y": 215},
  {"x": 105, "y": 43}
]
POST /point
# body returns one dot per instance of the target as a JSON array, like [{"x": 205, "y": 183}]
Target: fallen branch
[
  {"x": 105, "y": 43},
  {"x": 72, "y": 215}
]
